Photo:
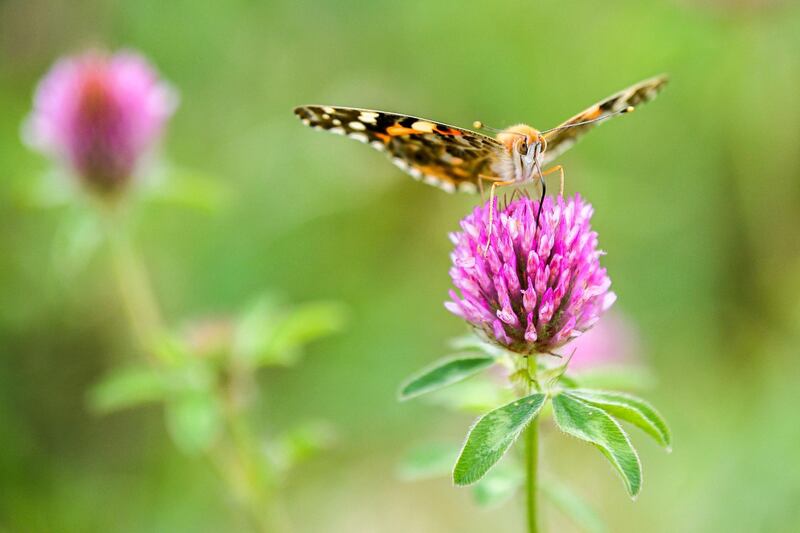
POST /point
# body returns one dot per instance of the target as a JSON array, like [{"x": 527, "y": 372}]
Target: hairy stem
[
  {"x": 532, "y": 453},
  {"x": 532, "y": 457}
]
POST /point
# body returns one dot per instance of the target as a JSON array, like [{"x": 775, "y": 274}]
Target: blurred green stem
[
  {"x": 241, "y": 465},
  {"x": 532, "y": 455},
  {"x": 134, "y": 285},
  {"x": 257, "y": 477}
]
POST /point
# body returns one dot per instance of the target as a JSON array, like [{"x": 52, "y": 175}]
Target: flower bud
[{"x": 100, "y": 114}]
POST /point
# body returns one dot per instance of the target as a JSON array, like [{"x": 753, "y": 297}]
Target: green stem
[
  {"x": 242, "y": 466},
  {"x": 257, "y": 478},
  {"x": 134, "y": 285},
  {"x": 532, "y": 437},
  {"x": 532, "y": 457}
]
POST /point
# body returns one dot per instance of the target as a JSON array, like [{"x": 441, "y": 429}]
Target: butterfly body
[
  {"x": 455, "y": 158},
  {"x": 523, "y": 156}
]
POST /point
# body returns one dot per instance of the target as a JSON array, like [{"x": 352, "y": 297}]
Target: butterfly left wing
[
  {"x": 438, "y": 154},
  {"x": 560, "y": 140}
]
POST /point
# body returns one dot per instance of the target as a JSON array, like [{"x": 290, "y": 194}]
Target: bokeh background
[{"x": 697, "y": 203}]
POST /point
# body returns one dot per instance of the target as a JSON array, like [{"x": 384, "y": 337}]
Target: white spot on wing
[
  {"x": 336, "y": 122},
  {"x": 360, "y": 137},
  {"x": 378, "y": 145},
  {"x": 306, "y": 122},
  {"x": 329, "y": 109},
  {"x": 447, "y": 186},
  {"x": 431, "y": 180},
  {"x": 337, "y": 131},
  {"x": 423, "y": 126},
  {"x": 402, "y": 165},
  {"x": 368, "y": 117},
  {"x": 468, "y": 187},
  {"x": 357, "y": 126}
]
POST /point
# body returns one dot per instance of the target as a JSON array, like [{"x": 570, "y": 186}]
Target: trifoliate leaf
[
  {"x": 492, "y": 435},
  {"x": 630, "y": 409},
  {"x": 594, "y": 425},
  {"x": 194, "y": 420},
  {"x": 127, "y": 387},
  {"x": 300, "y": 443},
  {"x": 266, "y": 335},
  {"x": 444, "y": 372}
]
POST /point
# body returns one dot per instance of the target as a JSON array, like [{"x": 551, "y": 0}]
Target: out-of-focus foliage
[{"x": 697, "y": 202}]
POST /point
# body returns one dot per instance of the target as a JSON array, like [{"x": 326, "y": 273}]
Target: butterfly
[{"x": 455, "y": 158}]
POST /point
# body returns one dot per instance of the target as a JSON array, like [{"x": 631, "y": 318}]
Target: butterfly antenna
[
  {"x": 628, "y": 109},
  {"x": 478, "y": 125}
]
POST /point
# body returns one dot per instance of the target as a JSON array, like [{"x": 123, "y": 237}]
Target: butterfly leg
[
  {"x": 491, "y": 212},
  {"x": 481, "y": 179},
  {"x": 557, "y": 168}
]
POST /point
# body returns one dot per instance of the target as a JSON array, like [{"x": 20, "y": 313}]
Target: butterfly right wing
[
  {"x": 438, "y": 154},
  {"x": 560, "y": 140}
]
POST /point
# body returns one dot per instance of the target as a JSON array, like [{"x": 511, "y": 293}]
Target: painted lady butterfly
[{"x": 458, "y": 159}]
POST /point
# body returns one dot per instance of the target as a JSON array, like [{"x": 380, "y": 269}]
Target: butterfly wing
[
  {"x": 560, "y": 140},
  {"x": 438, "y": 154}
]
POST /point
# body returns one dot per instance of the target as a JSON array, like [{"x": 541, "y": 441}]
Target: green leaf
[
  {"x": 428, "y": 461},
  {"x": 492, "y": 435},
  {"x": 631, "y": 409},
  {"x": 170, "y": 350},
  {"x": 594, "y": 425},
  {"x": 498, "y": 485},
  {"x": 254, "y": 329},
  {"x": 443, "y": 373},
  {"x": 194, "y": 420},
  {"x": 125, "y": 388},
  {"x": 303, "y": 325},
  {"x": 265, "y": 336},
  {"x": 573, "y": 506},
  {"x": 300, "y": 443}
]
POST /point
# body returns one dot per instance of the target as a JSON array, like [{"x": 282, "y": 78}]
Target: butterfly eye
[{"x": 523, "y": 148}]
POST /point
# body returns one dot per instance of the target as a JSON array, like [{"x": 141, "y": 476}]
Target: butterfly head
[{"x": 525, "y": 146}]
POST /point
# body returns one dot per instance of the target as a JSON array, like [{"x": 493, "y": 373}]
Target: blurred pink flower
[
  {"x": 100, "y": 114},
  {"x": 612, "y": 341}
]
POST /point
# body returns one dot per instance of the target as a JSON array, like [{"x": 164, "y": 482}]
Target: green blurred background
[{"x": 697, "y": 203}]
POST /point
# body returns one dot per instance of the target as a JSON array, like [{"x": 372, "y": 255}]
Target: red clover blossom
[
  {"x": 100, "y": 114},
  {"x": 535, "y": 289}
]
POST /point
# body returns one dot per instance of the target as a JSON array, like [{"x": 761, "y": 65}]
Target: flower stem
[
  {"x": 532, "y": 456},
  {"x": 134, "y": 285},
  {"x": 241, "y": 464},
  {"x": 258, "y": 480},
  {"x": 532, "y": 437}
]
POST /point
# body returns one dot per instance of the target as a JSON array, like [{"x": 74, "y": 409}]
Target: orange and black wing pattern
[
  {"x": 437, "y": 154},
  {"x": 561, "y": 139}
]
